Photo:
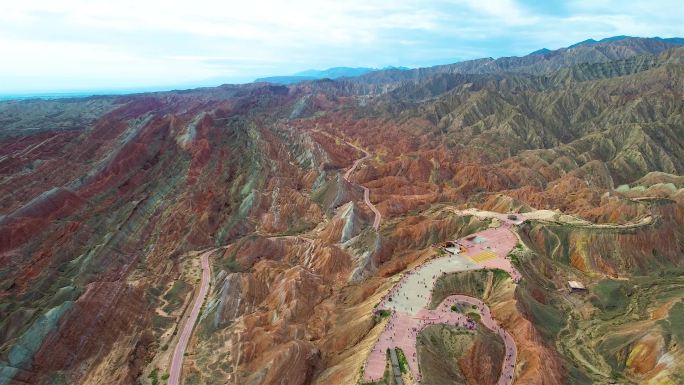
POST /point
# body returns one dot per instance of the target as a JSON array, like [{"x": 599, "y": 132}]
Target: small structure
[
  {"x": 451, "y": 247},
  {"x": 576, "y": 287}
]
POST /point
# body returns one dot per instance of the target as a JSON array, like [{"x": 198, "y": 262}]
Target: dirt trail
[
  {"x": 550, "y": 216},
  {"x": 179, "y": 351}
]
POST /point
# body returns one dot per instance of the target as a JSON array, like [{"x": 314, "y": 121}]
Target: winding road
[
  {"x": 366, "y": 192},
  {"x": 347, "y": 175},
  {"x": 179, "y": 351}
]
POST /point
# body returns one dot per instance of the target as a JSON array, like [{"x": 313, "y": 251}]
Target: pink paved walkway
[
  {"x": 410, "y": 298},
  {"x": 402, "y": 329},
  {"x": 500, "y": 241},
  {"x": 401, "y": 332}
]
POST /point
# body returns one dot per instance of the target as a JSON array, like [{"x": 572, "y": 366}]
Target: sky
[{"x": 76, "y": 45}]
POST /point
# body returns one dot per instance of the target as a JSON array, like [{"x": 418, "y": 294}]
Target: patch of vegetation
[
  {"x": 176, "y": 295},
  {"x": 471, "y": 283},
  {"x": 611, "y": 297},
  {"x": 676, "y": 319},
  {"x": 193, "y": 378},
  {"x": 152, "y": 295},
  {"x": 384, "y": 313},
  {"x": 475, "y": 316},
  {"x": 161, "y": 322},
  {"x": 403, "y": 362},
  {"x": 500, "y": 275},
  {"x": 154, "y": 376},
  {"x": 232, "y": 265}
]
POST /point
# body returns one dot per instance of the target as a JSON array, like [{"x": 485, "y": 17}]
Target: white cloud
[
  {"x": 77, "y": 66},
  {"x": 147, "y": 42},
  {"x": 506, "y": 12}
]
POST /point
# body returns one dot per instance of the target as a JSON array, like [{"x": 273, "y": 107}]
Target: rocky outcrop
[{"x": 345, "y": 225}]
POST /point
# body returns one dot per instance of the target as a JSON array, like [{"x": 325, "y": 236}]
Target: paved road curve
[
  {"x": 378, "y": 216},
  {"x": 347, "y": 175},
  {"x": 179, "y": 351},
  {"x": 366, "y": 192}
]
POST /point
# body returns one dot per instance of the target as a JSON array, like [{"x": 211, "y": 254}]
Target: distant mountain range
[
  {"x": 539, "y": 61},
  {"x": 330, "y": 73}
]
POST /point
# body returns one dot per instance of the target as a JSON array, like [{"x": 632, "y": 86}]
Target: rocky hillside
[{"x": 105, "y": 203}]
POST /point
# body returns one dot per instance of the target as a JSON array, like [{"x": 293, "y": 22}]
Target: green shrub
[
  {"x": 475, "y": 316},
  {"x": 403, "y": 362},
  {"x": 500, "y": 275},
  {"x": 154, "y": 376}
]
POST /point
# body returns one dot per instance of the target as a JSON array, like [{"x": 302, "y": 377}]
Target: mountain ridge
[
  {"x": 591, "y": 51},
  {"x": 312, "y": 74}
]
